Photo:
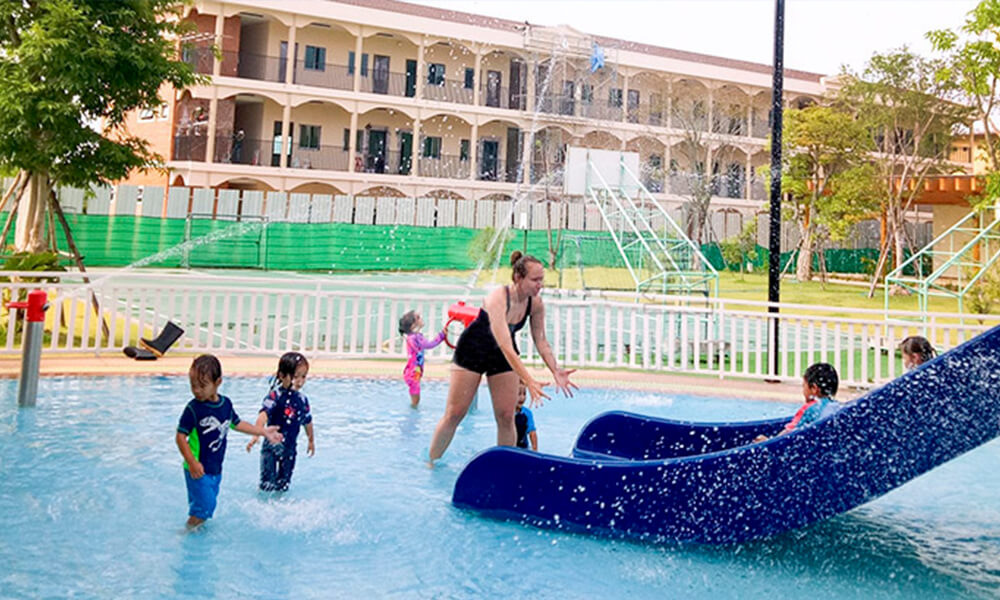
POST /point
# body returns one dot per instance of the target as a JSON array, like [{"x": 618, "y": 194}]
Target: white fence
[{"x": 354, "y": 317}]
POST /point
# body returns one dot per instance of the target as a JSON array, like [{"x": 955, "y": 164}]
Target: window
[
  {"x": 347, "y": 139},
  {"x": 435, "y": 74},
  {"x": 309, "y": 136},
  {"x": 432, "y": 147},
  {"x": 463, "y": 152},
  {"x": 315, "y": 58},
  {"x": 350, "y": 64},
  {"x": 147, "y": 114},
  {"x": 470, "y": 78},
  {"x": 615, "y": 97},
  {"x": 586, "y": 93}
]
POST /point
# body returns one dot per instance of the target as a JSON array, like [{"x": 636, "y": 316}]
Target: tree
[
  {"x": 70, "y": 73},
  {"x": 701, "y": 182},
  {"x": 741, "y": 248},
  {"x": 902, "y": 103},
  {"x": 971, "y": 58},
  {"x": 827, "y": 177}
]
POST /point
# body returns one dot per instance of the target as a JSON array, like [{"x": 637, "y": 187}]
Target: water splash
[{"x": 184, "y": 248}]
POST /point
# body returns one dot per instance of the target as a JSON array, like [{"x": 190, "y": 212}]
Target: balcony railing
[
  {"x": 190, "y": 147},
  {"x": 446, "y": 166},
  {"x": 390, "y": 84},
  {"x": 601, "y": 111},
  {"x": 326, "y": 158},
  {"x": 327, "y": 76},
  {"x": 261, "y": 67},
  {"x": 449, "y": 91},
  {"x": 235, "y": 151},
  {"x": 201, "y": 58}
]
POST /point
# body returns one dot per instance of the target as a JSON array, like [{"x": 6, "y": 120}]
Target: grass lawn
[{"x": 752, "y": 287}]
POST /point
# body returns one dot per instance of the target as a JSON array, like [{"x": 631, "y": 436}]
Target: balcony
[
  {"x": 449, "y": 91},
  {"x": 444, "y": 166},
  {"x": 327, "y": 75}
]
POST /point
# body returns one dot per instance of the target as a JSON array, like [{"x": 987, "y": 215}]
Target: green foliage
[
  {"x": 740, "y": 249},
  {"x": 971, "y": 60},
  {"x": 985, "y": 293},
  {"x": 66, "y": 65},
  {"x": 26, "y": 261},
  {"x": 488, "y": 245}
]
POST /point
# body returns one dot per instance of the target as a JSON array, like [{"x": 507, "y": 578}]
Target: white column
[
  {"x": 286, "y": 123},
  {"x": 624, "y": 98},
  {"x": 415, "y": 162},
  {"x": 216, "y": 61},
  {"x": 749, "y": 132},
  {"x": 290, "y": 59},
  {"x": 477, "y": 78},
  {"x": 749, "y": 177},
  {"x": 421, "y": 75},
  {"x": 358, "y": 46},
  {"x": 352, "y": 143},
  {"x": 530, "y": 87},
  {"x": 213, "y": 117},
  {"x": 474, "y": 151},
  {"x": 711, "y": 109}
]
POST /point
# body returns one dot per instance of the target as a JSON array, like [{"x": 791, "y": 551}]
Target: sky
[{"x": 820, "y": 35}]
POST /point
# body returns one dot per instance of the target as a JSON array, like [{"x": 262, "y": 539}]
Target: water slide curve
[{"x": 661, "y": 480}]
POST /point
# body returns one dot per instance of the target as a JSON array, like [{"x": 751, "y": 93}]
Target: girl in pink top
[{"x": 410, "y": 325}]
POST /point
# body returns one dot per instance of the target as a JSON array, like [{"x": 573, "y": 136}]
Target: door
[
  {"x": 283, "y": 62},
  {"x": 513, "y": 153},
  {"x": 276, "y": 144},
  {"x": 380, "y": 74},
  {"x": 493, "y": 86},
  {"x": 376, "y": 151},
  {"x": 411, "y": 78},
  {"x": 516, "y": 99},
  {"x": 488, "y": 162},
  {"x": 405, "y": 152},
  {"x": 633, "y": 106}
]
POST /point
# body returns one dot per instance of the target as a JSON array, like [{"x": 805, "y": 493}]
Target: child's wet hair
[
  {"x": 290, "y": 361},
  {"x": 207, "y": 367},
  {"x": 919, "y": 346},
  {"x": 823, "y": 376},
  {"x": 406, "y": 322}
]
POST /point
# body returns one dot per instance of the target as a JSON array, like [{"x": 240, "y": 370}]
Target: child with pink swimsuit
[{"x": 410, "y": 325}]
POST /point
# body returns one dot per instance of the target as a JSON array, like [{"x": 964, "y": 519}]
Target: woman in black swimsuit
[{"x": 487, "y": 347}]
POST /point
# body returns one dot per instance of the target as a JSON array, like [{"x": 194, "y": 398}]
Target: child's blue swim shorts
[{"x": 202, "y": 494}]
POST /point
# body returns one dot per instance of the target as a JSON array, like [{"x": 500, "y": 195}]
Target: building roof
[{"x": 465, "y": 18}]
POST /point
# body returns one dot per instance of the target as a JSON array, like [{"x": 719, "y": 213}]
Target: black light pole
[{"x": 774, "y": 231}]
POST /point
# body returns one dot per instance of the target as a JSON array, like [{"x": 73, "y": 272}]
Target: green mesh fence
[{"x": 116, "y": 241}]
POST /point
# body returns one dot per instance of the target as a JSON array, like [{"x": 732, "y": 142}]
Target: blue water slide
[{"x": 658, "y": 480}]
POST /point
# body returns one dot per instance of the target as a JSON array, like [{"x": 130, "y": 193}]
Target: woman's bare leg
[
  {"x": 503, "y": 389},
  {"x": 461, "y": 389}
]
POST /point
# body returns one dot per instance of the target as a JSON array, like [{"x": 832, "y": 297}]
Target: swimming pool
[{"x": 93, "y": 506}]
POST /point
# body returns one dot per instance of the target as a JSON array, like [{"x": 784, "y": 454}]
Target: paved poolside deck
[{"x": 178, "y": 364}]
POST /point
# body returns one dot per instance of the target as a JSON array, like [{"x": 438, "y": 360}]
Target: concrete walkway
[{"x": 178, "y": 364}]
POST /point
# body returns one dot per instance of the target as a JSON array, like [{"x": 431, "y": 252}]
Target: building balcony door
[
  {"x": 411, "y": 78},
  {"x": 276, "y": 144},
  {"x": 405, "y": 152},
  {"x": 513, "y": 153},
  {"x": 380, "y": 74},
  {"x": 375, "y": 159},
  {"x": 488, "y": 163},
  {"x": 493, "y": 86}
]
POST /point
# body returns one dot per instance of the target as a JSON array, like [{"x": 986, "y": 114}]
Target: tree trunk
[
  {"x": 803, "y": 268},
  {"x": 29, "y": 236}
]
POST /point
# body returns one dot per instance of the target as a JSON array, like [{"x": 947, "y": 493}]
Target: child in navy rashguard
[
  {"x": 524, "y": 422},
  {"x": 288, "y": 409},
  {"x": 201, "y": 437}
]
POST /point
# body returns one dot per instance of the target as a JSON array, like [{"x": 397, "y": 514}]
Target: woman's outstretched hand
[
  {"x": 563, "y": 383},
  {"x": 534, "y": 388}
]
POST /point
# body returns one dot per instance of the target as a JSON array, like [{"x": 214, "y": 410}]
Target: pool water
[{"x": 93, "y": 506}]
